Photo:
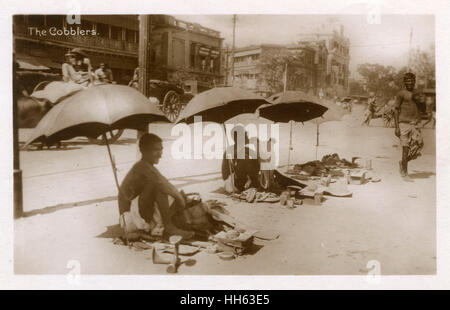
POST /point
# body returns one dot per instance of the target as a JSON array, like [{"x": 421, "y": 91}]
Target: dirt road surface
[{"x": 69, "y": 200}]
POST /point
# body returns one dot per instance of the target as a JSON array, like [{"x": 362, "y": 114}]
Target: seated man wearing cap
[
  {"x": 77, "y": 68},
  {"x": 145, "y": 186}
]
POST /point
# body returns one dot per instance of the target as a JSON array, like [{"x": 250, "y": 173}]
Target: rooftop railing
[{"x": 196, "y": 28}]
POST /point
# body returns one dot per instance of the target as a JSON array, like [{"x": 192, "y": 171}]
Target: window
[
  {"x": 216, "y": 67},
  {"x": 192, "y": 55},
  {"x": 55, "y": 20},
  {"x": 130, "y": 35},
  {"x": 103, "y": 30},
  {"x": 36, "y": 20},
  {"x": 86, "y": 25},
  {"x": 203, "y": 63},
  {"x": 116, "y": 33},
  {"x": 178, "y": 52},
  {"x": 19, "y": 19}
]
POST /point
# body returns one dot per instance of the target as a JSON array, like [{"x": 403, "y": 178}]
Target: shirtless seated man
[{"x": 146, "y": 184}]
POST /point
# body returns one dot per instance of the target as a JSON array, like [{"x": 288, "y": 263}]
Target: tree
[
  {"x": 356, "y": 87},
  {"x": 273, "y": 65},
  {"x": 382, "y": 80},
  {"x": 423, "y": 65}
]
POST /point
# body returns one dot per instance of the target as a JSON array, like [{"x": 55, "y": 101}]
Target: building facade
[
  {"x": 335, "y": 74},
  {"x": 40, "y": 39},
  {"x": 253, "y": 68},
  {"x": 179, "y": 50},
  {"x": 317, "y": 64},
  {"x": 188, "y": 52}
]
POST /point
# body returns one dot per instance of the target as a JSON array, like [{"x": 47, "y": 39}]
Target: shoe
[{"x": 171, "y": 230}]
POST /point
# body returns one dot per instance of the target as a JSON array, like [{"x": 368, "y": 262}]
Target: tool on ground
[{"x": 173, "y": 266}]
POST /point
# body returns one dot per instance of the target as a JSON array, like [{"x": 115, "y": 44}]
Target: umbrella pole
[
  {"x": 114, "y": 169},
  {"x": 317, "y": 134},
  {"x": 317, "y": 138},
  {"x": 290, "y": 144},
  {"x": 226, "y": 148},
  {"x": 113, "y": 164}
]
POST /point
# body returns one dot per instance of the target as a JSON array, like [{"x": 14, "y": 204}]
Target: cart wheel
[
  {"x": 171, "y": 105},
  {"x": 112, "y": 136},
  {"x": 388, "y": 121}
]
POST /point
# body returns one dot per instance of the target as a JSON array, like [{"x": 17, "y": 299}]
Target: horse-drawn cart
[{"x": 40, "y": 91}]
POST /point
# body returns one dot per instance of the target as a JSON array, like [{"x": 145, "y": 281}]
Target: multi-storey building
[
  {"x": 320, "y": 65},
  {"x": 41, "y": 40},
  {"x": 247, "y": 69},
  {"x": 179, "y": 50},
  {"x": 302, "y": 71},
  {"x": 336, "y": 73},
  {"x": 302, "y": 74},
  {"x": 186, "y": 51}
]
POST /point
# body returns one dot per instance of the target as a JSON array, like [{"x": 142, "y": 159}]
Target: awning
[
  {"x": 27, "y": 62},
  {"x": 27, "y": 66},
  {"x": 204, "y": 51},
  {"x": 215, "y": 54}
]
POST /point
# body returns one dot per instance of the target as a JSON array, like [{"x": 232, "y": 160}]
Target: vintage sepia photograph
[{"x": 224, "y": 144}]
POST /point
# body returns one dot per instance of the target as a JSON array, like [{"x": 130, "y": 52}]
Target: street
[{"x": 71, "y": 210}]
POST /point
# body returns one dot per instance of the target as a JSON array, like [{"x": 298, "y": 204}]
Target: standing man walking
[{"x": 408, "y": 106}]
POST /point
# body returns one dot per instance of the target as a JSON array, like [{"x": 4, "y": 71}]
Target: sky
[{"x": 386, "y": 43}]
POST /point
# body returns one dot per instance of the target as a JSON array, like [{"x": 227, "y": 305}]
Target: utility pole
[
  {"x": 145, "y": 29},
  {"x": 409, "y": 50},
  {"x": 232, "y": 52},
  {"x": 144, "y": 53},
  {"x": 227, "y": 59},
  {"x": 18, "y": 201}
]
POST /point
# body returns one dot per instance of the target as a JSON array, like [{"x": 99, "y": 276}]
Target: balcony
[{"x": 92, "y": 42}]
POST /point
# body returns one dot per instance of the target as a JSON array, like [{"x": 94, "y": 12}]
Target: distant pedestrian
[
  {"x": 104, "y": 73},
  {"x": 135, "y": 80},
  {"x": 371, "y": 109}
]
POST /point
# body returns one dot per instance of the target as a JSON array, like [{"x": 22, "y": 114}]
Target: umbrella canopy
[
  {"x": 220, "y": 104},
  {"x": 96, "y": 110},
  {"x": 334, "y": 113},
  {"x": 292, "y": 106}
]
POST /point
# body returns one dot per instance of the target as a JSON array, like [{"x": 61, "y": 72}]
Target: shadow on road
[
  {"x": 53, "y": 149},
  {"x": 113, "y": 231},
  {"x": 188, "y": 180},
  {"x": 55, "y": 208},
  {"x": 421, "y": 174},
  {"x": 74, "y": 145}
]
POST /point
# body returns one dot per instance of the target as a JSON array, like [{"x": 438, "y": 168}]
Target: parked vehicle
[{"x": 172, "y": 97}]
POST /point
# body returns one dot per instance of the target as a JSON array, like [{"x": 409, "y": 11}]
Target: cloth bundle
[{"x": 415, "y": 143}]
